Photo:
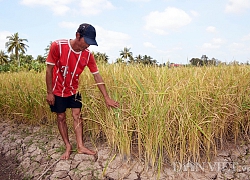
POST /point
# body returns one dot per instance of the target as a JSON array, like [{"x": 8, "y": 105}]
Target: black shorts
[{"x": 62, "y": 103}]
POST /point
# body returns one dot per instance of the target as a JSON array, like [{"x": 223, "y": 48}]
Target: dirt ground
[
  {"x": 8, "y": 168},
  {"x": 38, "y": 152}
]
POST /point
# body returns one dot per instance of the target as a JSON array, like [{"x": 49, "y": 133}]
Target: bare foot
[
  {"x": 65, "y": 156},
  {"x": 84, "y": 150}
]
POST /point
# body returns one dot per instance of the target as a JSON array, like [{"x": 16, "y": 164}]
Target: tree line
[
  {"x": 205, "y": 61},
  {"x": 126, "y": 57},
  {"x": 18, "y": 60}
]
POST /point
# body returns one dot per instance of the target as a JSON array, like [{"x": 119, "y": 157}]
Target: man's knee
[
  {"x": 76, "y": 117},
  {"x": 76, "y": 114},
  {"x": 61, "y": 117}
]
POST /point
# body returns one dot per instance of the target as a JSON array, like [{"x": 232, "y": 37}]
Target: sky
[{"x": 167, "y": 30}]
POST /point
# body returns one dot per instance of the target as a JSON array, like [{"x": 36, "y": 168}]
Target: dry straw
[{"x": 165, "y": 115}]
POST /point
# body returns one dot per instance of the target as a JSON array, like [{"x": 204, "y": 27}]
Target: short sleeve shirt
[{"x": 68, "y": 65}]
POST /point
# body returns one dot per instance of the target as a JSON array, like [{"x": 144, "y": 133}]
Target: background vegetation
[
  {"x": 17, "y": 60},
  {"x": 166, "y": 115}
]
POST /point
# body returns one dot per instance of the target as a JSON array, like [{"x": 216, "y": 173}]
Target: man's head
[{"x": 88, "y": 32}]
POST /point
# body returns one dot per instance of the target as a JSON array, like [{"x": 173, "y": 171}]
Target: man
[{"x": 65, "y": 62}]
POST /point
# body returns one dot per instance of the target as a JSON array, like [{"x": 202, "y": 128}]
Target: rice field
[{"x": 165, "y": 115}]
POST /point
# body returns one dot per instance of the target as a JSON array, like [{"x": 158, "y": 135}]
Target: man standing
[{"x": 65, "y": 62}]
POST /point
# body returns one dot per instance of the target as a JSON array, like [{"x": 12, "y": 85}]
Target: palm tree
[
  {"x": 101, "y": 57},
  {"x": 126, "y": 54},
  {"x": 47, "y": 50},
  {"x": 119, "y": 60},
  {"x": 138, "y": 59},
  {"x": 16, "y": 45},
  {"x": 12, "y": 58},
  {"x": 3, "y": 57},
  {"x": 148, "y": 60},
  {"x": 104, "y": 57},
  {"x": 25, "y": 59},
  {"x": 131, "y": 60},
  {"x": 145, "y": 59},
  {"x": 41, "y": 59}
]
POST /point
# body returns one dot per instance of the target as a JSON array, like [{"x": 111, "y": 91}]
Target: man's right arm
[{"x": 49, "y": 76}]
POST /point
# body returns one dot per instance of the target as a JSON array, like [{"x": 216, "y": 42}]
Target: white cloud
[
  {"x": 177, "y": 48},
  {"x": 110, "y": 41},
  {"x": 61, "y": 7},
  {"x": 170, "y": 49},
  {"x": 60, "y": 10},
  {"x": 94, "y": 7},
  {"x": 170, "y": 19},
  {"x": 210, "y": 46},
  {"x": 217, "y": 41},
  {"x": 65, "y": 24},
  {"x": 148, "y": 44},
  {"x": 45, "y": 2},
  {"x": 194, "y": 13},
  {"x": 214, "y": 44},
  {"x": 139, "y": 0},
  {"x": 211, "y": 29},
  {"x": 3, "y": 40},
  {"x": 236, "y": 46},
  {"x": 246, "y": 38},
  {"x": 237, "y": 6}
]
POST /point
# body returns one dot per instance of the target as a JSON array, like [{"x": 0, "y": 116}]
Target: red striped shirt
[{"x": 68, "y": 67}]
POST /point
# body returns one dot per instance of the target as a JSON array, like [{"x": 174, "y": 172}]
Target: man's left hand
[{"x": 111, "y": 103}]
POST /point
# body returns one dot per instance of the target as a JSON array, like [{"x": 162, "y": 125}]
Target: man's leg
[
  {"x": 79, "y": 134},
  {"x": 63, "y": 129}
]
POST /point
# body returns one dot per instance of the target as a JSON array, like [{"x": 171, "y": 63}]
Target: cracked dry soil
[
  {"x": 27, "y": 153},
  {"x": 8, "y": 168}
]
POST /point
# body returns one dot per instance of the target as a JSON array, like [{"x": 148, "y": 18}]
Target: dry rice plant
[{"x": 165, "y": 115}]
